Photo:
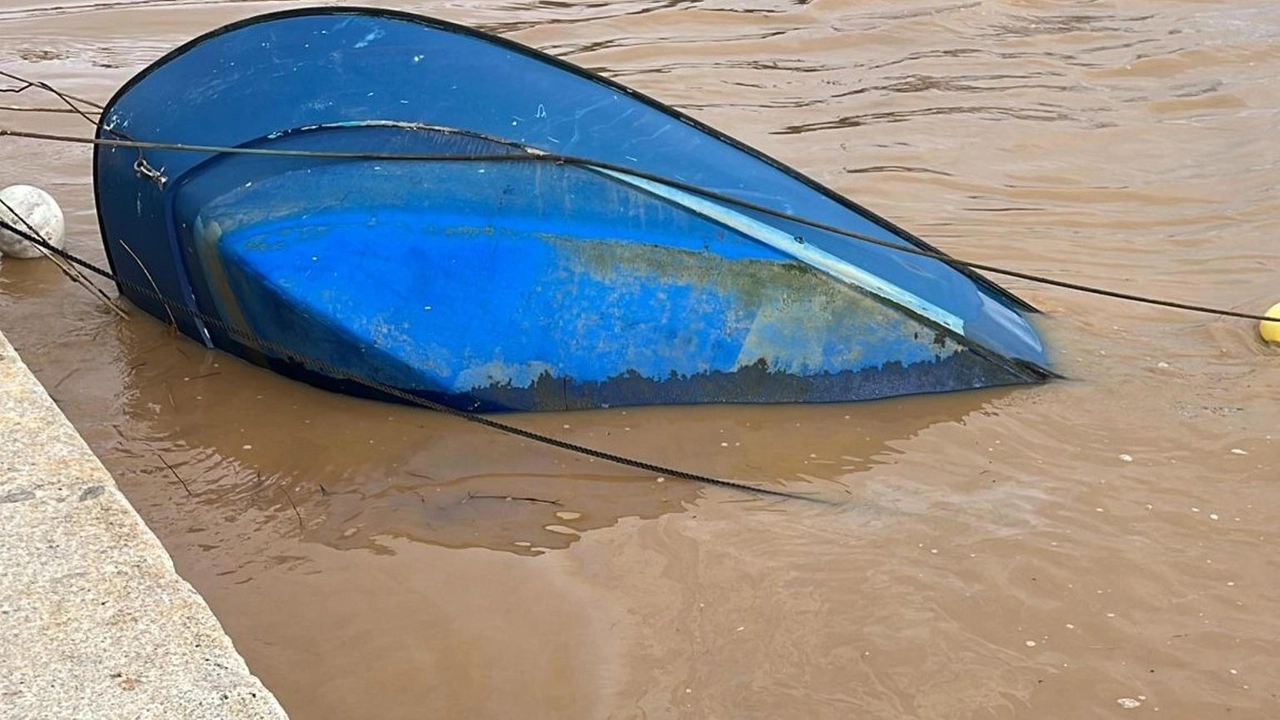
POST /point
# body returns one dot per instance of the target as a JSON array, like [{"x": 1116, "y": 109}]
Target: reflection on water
[
  {"x": 1035, "y": 552},
  {"x": 241, "y": 442}
]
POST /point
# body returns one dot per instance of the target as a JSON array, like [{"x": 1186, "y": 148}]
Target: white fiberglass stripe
[{"x": 775, "y": 238}]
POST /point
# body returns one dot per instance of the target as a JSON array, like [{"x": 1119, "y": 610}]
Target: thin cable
[
  {"x": 342, "y": 375},
  {"x": 709, "y": 194},
  {"x": 20, "y": 108},
  {"x": 47, "y": 87},
  {"x": 69, "y": 100}
]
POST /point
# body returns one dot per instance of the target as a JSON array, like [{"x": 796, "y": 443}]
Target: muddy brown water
[{"x": 1097, "y": 547}]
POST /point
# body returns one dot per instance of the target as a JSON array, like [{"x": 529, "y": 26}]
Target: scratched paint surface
[{"x": 580, "y": 291}]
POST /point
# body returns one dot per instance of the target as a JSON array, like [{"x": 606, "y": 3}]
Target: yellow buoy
[{"x": 1270, "y": 331}]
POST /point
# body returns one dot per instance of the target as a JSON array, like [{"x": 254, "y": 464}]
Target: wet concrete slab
[{"x": 94, "y": 620}]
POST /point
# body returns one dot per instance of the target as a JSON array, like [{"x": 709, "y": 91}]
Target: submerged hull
[{"x": 483, "y": 278}]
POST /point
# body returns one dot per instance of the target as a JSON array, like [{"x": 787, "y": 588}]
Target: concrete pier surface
[{"x": 94, "y": 620}]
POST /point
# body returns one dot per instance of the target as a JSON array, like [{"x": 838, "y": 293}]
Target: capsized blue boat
[{"x": 420, "y": 205}]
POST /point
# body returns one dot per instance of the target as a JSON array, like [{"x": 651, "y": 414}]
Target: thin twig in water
[
  {"x": 258, "y": 482},
  {"x": 301, "y": 526},
  {"x": 65, "y": 378},
  {"x": 323, "y": 492},
  {"x": 175, "y": 474},
  {"x": 424, "y": 476},
  {"x": 73, "y": 273},
  {"x": 205, "y": 375},
  {"x": 173, "y": 323},
  {"x": 474, "y": 496}
]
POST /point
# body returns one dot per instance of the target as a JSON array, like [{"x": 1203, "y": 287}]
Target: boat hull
[
  {"x": 536, "y": 286},
  {"x": 484, "y": 276}
]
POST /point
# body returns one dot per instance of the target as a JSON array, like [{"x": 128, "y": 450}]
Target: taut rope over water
[{"x": 709, "y": 194}]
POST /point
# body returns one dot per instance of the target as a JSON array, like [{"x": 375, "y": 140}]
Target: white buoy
[{"x": 36, "y": 209}]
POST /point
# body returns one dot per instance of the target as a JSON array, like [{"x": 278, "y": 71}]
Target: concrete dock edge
[{"x": 94, "y": 620}]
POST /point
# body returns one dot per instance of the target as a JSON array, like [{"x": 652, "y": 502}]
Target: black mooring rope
[
  {"x": 124, "y": 141},
  {"x": 677, "y": 184},
  {"x": 340, "y": 374}
]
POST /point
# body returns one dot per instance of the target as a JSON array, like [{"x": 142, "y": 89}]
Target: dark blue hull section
[{"x": 492, "y": 280}]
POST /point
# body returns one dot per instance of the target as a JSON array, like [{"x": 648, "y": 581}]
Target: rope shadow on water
[{"x": 410, "y": 398}]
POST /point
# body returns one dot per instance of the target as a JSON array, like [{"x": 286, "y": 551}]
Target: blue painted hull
[{"x": 492, "y": 280}]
